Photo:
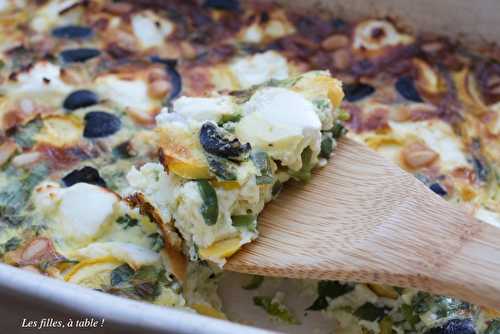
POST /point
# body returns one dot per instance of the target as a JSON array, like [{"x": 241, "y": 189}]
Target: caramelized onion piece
[{"x": 39, "y": 250}]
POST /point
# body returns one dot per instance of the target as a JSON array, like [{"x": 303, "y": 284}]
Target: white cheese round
[
  {"x": 131, "y": 95},
  {"x": 259, "y": 68},
  {"x": 150, "y": 29},
  {"x": 83, "y": 209},
  {"x": 282, "y": 123},
  {"x": 41, "y": 78},
  {"x": 204, "y": 108}
]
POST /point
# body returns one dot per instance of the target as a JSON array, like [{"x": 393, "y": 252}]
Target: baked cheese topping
[{"x": 107, "y": 182}]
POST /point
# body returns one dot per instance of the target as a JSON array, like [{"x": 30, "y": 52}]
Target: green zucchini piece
[
  {"x": 262, "y": 162},
  {"x": 242, "y": 220},
  {"x": 210, "y": 207},
  {"x": 327, "y": 145},
  {"x": 304, "y": 174},
  {"x": 222, "y": 168}
]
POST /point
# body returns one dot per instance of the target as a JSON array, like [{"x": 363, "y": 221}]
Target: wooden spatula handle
[
  {"x": 472, "y": 272},
  {"x": 361, "y": 218}
]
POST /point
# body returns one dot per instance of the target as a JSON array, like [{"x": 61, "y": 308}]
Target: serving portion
[{"x": 140, "y": 141}]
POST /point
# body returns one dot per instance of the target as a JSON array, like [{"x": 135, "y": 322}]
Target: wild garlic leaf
[
  {"x": 157, "y": 242},
  {"x": 126, "y": 221},
  {"x": 121, "y": 274}
]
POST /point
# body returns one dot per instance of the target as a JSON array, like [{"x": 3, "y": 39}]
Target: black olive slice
[
  {"x": 72, "y": 31},
  {"x": 223, "y": 4},
  {"x": 357, "y": 91},
  {"x": 86, "y": 175},
  {"x": 215, "y": 141},
  {"x": 438, "y": 189},
  {"x": 406, "y": 88},
  {"x": 173, "y": 74},
  {"x": 79, "y": 55},
  {"x": 100, "y": 124},
  {"x": 80, "y": 99}
]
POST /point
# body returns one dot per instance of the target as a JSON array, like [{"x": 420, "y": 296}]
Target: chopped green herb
[
  {"x": 421, "y": 302},
  {"x": 338, "y": 130},
  {"x": 445, "y": 307},
  {"x": 261, "y": 160},
  {"x": 330, "y": 289},
  {"x": 147, "y": 274},
  {"x": 370, "y": 312},
  {"x": 322, "y": 104},
  {"x": 229, "y": 118},
  {"x": 10, "y": 245},
  {"x": 242, "y": 96},
  {"x": 493, "y": 328},
  {"x": 210, "y": 207},
  {"x": 146, "y": 281},
  {"x": 275, "y": 309},
  {"x": 243, "y": 220},
  {"x": 127, "y": 221},
  {"x": 16, "y": 193},
  {"x": 409, "y": 315},
  {"x": 24, "y": 136},
  {"x": 327, "y": 145},
  {"x": 255, "y": 282},
  {"x": 157, "y": 241},
  {"x": 304, "y": 174},
  {"x": 121, "y": 274}
]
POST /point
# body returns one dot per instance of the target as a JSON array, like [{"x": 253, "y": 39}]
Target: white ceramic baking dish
[{"x": 24, "y": 295}]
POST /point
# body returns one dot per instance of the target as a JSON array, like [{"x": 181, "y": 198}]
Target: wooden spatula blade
[{"x": 361, "y": 218}]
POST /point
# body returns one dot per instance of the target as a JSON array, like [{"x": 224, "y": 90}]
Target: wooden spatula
[{"x": 362, "y": 218}]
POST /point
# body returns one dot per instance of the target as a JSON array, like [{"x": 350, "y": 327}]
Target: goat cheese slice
[
  {"x": 204, "y": 108},
  {"x": 83, "y": 209},
  {"x": 259, "y": 68},
  {"x": 150, "y": 29},
  {"x": 282, "y": 123}
]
